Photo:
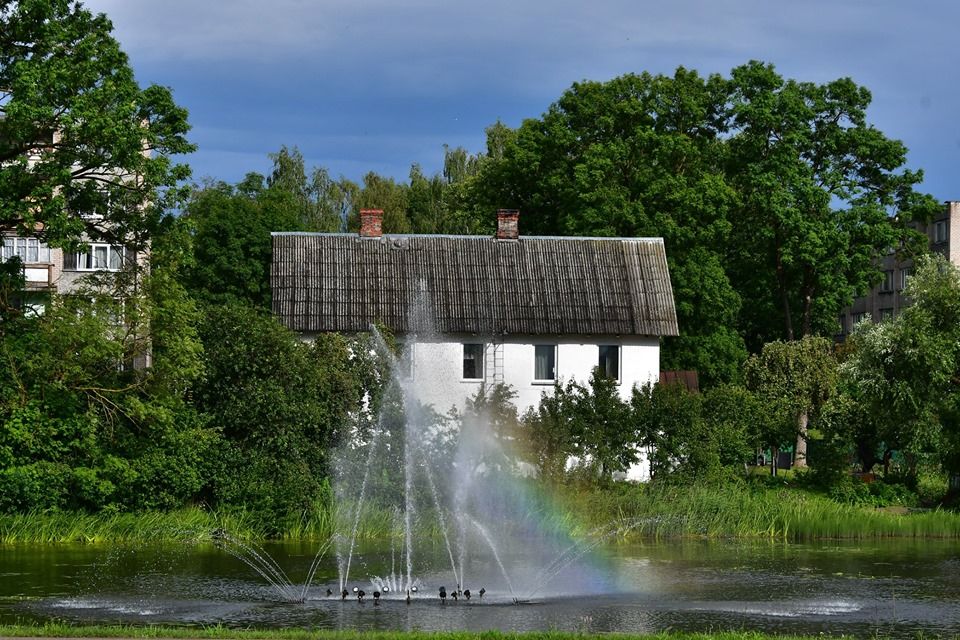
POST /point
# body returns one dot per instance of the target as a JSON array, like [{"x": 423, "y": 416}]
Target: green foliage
[
  {"x": 904, "y": 372},
  {"x": 793, "y": 379},
  {"x": 75, "y": 127},
  {"x": 279, "y": 404}
]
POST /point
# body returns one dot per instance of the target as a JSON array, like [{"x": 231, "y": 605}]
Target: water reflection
[{"x": 895, "y": 588}]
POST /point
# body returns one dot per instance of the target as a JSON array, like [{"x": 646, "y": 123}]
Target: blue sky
[{"x": 363, "y": 85}]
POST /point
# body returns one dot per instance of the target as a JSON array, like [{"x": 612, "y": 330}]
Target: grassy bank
[
  {"x": 64, "y": 631},
  {"x": 638, "y": 511}
]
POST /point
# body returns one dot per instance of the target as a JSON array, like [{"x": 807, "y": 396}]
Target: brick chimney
[
  {"x": 508, "y": 224},
  {"x": 371, "y": 223}
]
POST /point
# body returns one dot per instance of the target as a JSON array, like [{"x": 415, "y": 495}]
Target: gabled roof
[{"x": 474, "y": 284}]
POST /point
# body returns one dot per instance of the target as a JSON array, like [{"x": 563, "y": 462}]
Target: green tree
[
  {"x": 817, "y": 187},
  {"x": 794, "y": 379},
  {"x": 906, "y": 371},
  {"x": 77, "y": 133},
  {"x": 280, "y": 405},
  {"x": 639, "y": 155}
]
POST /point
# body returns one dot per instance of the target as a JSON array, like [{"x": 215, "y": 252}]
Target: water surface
[{"x": 894, "y": 588}]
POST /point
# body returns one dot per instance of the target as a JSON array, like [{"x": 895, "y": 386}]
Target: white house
[{"x": 527, "y": 311}]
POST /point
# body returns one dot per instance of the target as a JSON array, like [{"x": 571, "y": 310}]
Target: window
[
  {"x": 545, "y": 362},
  {"x": 940, "y": 231},
  {"x": 860, "y": 317},
  {"x": 609, "y": 361},
  {"x": 904, "y": 274},
  {"x": 29, "y": 250},
  {"x": 99, "y": 257},
  {"x": 473, "y": 361},
  {"x": 886, "y": 314},
  {"x": 843, "y": 324},
  {"x": 887, "y": 284}
]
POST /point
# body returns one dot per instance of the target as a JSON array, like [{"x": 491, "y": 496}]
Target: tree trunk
[
  {"x": 800, "y": 452},
  {"x": 784, "y": 297}
]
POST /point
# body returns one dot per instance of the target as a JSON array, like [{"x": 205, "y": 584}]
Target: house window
[
  {"x": 545, "y": 362},
  {"x": 940, "y": 231},
  {"x": 887, "y": 284},
  {"x": 473, "y": 361},
  {"x": 609, "y": 361},
  {"x": 843, "y": 324},
  {"x": 886, "y": 314},
  {"x": 860, "y": 317},
  {"x": 904, "y": 274},
  {"x": 29, "y": 250},
  {"x": 98, "y": 257}
]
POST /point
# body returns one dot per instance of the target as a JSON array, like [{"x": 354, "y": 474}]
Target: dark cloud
[{"x": 377, "y": 85}]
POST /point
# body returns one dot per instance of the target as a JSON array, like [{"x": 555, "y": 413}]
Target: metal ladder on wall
[{"x": 494, "y": 363}]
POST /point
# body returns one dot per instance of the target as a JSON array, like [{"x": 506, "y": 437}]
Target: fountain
[
  {"x": 450, "y": 482},
  {"x": 439, "y": 486}
]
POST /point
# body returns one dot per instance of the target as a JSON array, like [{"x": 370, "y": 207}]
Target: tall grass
[
  {"x": 743, "y": 511},
  {"x": 637, "y": 511}
]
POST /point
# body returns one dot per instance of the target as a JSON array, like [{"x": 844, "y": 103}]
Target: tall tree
[
  {"x": 77, "y": 133},
  {"x": 639, "y": 155},
  {"x": 818, "y": 187}
]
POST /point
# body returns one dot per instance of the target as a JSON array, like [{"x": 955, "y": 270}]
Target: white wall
[{"x": 437, "y": 369}]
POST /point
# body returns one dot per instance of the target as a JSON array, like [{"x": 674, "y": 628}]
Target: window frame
[
  {"x": 940, "y": 231},
  {"x": 12, "y": 245},
  {"x": 478, "y": 356},
  {"x": 85, "y": 260},
  {"x": 553, "y": 351},
  {"x": 887, "y": 285},
  {"x": 619, "y": 351},
  {"x": 906, "y": 272}
]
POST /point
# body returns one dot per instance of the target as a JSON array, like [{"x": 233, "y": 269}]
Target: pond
[{"x": 895, "y": 588}]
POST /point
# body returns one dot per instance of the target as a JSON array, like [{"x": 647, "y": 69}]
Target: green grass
[
  {"x": 57, "y": 630},
  {"x": 746, "y": 510}
]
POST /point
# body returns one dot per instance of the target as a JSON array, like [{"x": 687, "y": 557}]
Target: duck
[
  {"x": 466, "y": 593},
  {"x": 360, "y": 595},
  {"x": 376, "y": 597},
  {"x": 443, "y": 595},
  {"x": 344, "y": 594},
  {"x": 329, "y": 593}
]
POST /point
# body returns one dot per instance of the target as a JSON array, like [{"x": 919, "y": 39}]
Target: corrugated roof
[{"x": 474, "y": 284}]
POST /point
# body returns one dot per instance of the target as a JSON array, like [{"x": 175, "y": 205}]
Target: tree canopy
[{"x": 83, "y": 148}]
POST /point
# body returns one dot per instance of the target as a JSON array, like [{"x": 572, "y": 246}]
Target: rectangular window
[
  {"x": 29, "y": 250},
  {"x": 609, "y": 361},
  {"x": 887, "y": 284},
  {"x": 473, "y": 361},
  {"x": 99, "y": 257},
  {"x": 940, "y": 231},
  {"x": 886, "y": 314},
  {"x": 843, "y": 324},
  {"x": 545, "y": 362},
  {"x": 860, "y": 317},
  {"x": 904, "y": 274}
]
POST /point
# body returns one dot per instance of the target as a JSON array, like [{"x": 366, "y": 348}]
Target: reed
[
  {"x": 744, "y": 511},
  {"x": 638, "y": 511}
]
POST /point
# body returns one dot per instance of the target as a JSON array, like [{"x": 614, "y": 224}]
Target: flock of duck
[{"x": 456, "y": 594}]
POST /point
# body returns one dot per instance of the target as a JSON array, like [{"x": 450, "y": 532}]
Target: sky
[{"x": 374, "y": 85}]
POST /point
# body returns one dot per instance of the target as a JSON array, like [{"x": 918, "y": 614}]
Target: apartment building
[{"x": 887, "y": 299}]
